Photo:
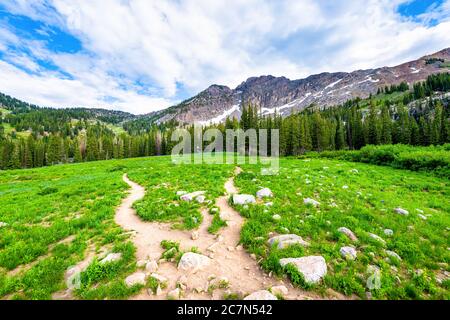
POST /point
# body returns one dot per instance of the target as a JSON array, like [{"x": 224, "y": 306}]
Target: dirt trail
[{"x": 229, "y": 259}]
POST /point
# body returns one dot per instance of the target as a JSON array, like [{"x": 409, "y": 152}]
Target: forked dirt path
[{"x": 228, "y": 259}]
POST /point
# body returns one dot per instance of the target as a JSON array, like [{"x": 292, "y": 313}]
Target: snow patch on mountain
[{"x": 220, "y": 118}]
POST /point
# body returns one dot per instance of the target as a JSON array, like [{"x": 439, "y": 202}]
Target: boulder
[
  {"x": 393, "y": 254},
  {"x": 286, "y": 240},
  {"x": 264, "y": 193},
  {"x": 349, "y": 233},
  {"x": 348, "y": 253},
  {"x": 311, "y": 202},
  {"x": 191, "y": 260},
  {"x": 401, "y": 211},
  {"x": 151, "y": 266},
  {"x": 279, "y": 290},
  {"x": 388, "y": 232},
  {"x": 191, "y": 196},
  {"x": 377, "y": 238},
  {"x": 313, "y": 268},
  {"x": 261, "y": 295},
  {"x": 112, "y": 257},
  {"x": 242, "y": 199},
  {"x": 135, "y": 278}
]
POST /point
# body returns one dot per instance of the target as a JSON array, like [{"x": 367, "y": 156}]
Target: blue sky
[{"x": 142, "y": 55}]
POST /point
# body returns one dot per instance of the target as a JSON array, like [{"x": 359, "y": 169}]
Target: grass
[{"x": 57, "y": 215}]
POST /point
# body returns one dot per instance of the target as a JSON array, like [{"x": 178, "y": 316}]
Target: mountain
[{"x": 279, "y": 94}]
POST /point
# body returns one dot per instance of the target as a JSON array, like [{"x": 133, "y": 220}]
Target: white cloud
[{"x": 165, "y": 44}]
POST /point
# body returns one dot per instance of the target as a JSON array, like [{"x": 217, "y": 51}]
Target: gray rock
[
  {"x": 268, "y": 204},
  {"x": 349, "y": 233},
  {"x": 393, "y": 254},
  {"x": 419, "y": 211},
  {"x": 264, "y": 193},
  {"x": 276, "y": 217},
  {"x": 286, "y": 240},
  {"x": 3, "y": 224},
  {"x": 377, "y": 238},
  {"x": 200, "y": 199},
  {"x": 261, "y": 295},
  {"x": 348, "y": 253},
  {"x": 181, "y": 193},
  {"x": 421, "y": 216},
  {"x": 241, "y": 199},
  {"x": 151, "y": 266},
  {"x": 112, "y": 257},
  {"x": 279, "y": 290},
  {"x": 191, "y": 196},
  {"x": 311, "y": 202},
  {"x": 191, "y": 260},
  {"x": 313, "y": 268},
  {"x": 401, "y": 211},
  {"x": 158, "y": 277},
  {"x": 174, "y": 294},
  {"x": 388, "y": 232},
  {"x": 135, "y": 278}
]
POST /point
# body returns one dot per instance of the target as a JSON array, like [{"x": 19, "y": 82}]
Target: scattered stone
[
  {"x": 158, "y": 277},
  {"x": 348, "y": 253},
  {"x": 276, "y": 217},
  {"x": 191, "y": 196},
  {"x": 191, "y": 260},
  {"x": 401, "y": 211},
  {"x": 307, "y": 181},
  {"x": 421, "y": 216},
  {"x": 200, "y": 199},
  {"x": 151, "y": 266},
  {"x": 141, "y": 263},
  {"x": 392, "y": 254},
  {"x": 158, "y": 291},
  {"x": 181, "y": 193},
  {"x": 344, "y": 187},
  {"x": 369, "y": 295},
  {"x": 419, "y": 211},
  {"x": 112, "y": 257},
  {"x": 411, "y": 227},
  {"x": 354, "y": 171},
  {"x": 377, "y": 238},
  {"x": 3, "y": 224},
  {"x": 230, "y": 248},
  {"x": 313, "y": 268},
  {"x": 286, "y": 240},
  {"x": 311, "y": 201},
  {"x": 388, "y": 232},
  {"x": 215, "y": 210},
  {"x": 135, "y": 278},
  {"x": 242, "y": 199},
  {"x": 195, "y": 235},
  {"x": 264, "y": 193},
  {"x": 182, "y": 282},
  {"x": 268, "y": 204},
  {"x": 349, "y": 233},
  {"x": 174, "y": 294},
  {"x": 279, "y": 290},
  {"x": 261, "y": 295}
]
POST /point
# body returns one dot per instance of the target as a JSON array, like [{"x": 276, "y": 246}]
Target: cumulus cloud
[{"x": 137, "y": 54}]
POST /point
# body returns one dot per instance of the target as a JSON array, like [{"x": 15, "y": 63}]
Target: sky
[{"x": 145, "y": 55}]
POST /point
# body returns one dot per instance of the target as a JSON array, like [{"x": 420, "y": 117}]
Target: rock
[
  {"x": 348, "y": 253},
  {"x": 354, "y": 171},
  {"x": 174, "y": 294},
  {"x": 421, "y": 216},
  {"x": 388, "y": 232},
  {"x": 279, "y": 290},
  {"x": 344, "y": 187},
  {"x": 200, "y": 199},
  {"x": 159, "y": 291},
  {"x": 377, "y": 238},
  {"x": 135, "y": 278},
  {"x": 112, "y": 257},
  {"x": 392, "y": 254},
  {"x": 286, "y": 240},
  {"x": 214, "y": 210},
  {"x": 264, "y": 193},
  {"x": 349, "y": 233},
  {"x": 313, "y": 268},
  {"x": 182, "y": 282},
  {"x": 195, "y": 235},
  {"x": 242, "y": 199},
  {"x": 191, "y": 196},
  {"x": 268, "y": 204},
  {"x": 158, "y": 277},
  {"x": 191, "y": 260},
  {"x": 141, "y": 263},
  {"x": 151, "y": 266},
  {"x": 401, "y": 211},
  {"x": 419, "y": 211},
  {"x": 181, "y": 193},
  {"x": 276, "y": 217},
  {"x": 261, "y": 295},
  {"x": 311, "y": 201},
  {"x": 3, "y": 224}
]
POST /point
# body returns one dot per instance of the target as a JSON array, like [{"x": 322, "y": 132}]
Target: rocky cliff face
[{"x": 279, "y": 94}]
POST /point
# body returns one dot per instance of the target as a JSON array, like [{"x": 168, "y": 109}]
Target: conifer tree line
[{"x": 54, "y": 138}]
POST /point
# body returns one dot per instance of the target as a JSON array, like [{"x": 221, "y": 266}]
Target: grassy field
[{"x": 58, "y": 216}]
